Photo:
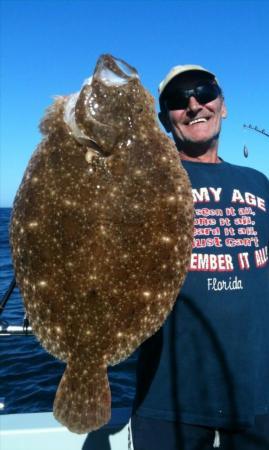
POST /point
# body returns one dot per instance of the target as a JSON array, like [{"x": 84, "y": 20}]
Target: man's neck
[
  {"x": 207, "y": 153},
  {"x": 204, "y": 158}
]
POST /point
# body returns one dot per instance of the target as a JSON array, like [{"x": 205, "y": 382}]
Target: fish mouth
[
  {"x": 97, "y": 102},
  {"x": 113, "y": 71}
]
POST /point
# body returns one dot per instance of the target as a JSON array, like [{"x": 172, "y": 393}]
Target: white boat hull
[{"x": 40, "y": 431}]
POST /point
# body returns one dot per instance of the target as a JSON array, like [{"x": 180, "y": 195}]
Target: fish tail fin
[{"x": 83, "y": 399}]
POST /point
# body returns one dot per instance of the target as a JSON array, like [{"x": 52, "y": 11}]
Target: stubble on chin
[{"x": 195, "y": 148}]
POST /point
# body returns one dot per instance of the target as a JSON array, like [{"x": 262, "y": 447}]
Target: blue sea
[{"x": 29, "y": 376}]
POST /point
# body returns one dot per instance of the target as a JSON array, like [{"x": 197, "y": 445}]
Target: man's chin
[{"x": 197, "y": 146}]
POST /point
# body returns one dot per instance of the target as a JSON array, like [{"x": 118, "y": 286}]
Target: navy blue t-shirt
[{"x": 209, "y": 363}]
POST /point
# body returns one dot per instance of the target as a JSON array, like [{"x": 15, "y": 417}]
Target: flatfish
[{"x": 101, "y": 234}]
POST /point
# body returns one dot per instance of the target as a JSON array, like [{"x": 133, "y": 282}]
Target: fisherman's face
[{"x": 197, "y": 122}]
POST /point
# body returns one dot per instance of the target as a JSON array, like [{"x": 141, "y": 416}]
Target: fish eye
[{"x": 145, "y": 107}]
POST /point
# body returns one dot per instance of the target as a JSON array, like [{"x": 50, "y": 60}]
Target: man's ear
[
  {"x": 224, "y": 111},
  {"x": 164, "y": 119}
]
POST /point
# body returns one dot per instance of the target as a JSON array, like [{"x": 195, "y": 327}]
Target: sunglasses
[{"x": 179, "y": 98}]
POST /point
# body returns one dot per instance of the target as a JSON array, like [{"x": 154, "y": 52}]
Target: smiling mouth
[{"x": 200, "y": 120}]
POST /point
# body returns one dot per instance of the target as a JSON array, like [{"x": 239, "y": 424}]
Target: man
[{"x": 203, "y": 379}]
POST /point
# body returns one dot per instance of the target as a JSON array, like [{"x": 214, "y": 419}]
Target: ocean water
[{"x": 29, "y": 376}]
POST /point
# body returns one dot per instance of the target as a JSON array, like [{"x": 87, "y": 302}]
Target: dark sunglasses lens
[
  {"x": 179, "y": 99},
  {"x": 206, "y": 93}
]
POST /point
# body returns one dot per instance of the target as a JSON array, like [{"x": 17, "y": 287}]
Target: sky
[{"x": 49, "y": 47}]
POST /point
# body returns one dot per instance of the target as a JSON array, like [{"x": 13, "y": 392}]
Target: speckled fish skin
[{"x": 101, "y": 235}]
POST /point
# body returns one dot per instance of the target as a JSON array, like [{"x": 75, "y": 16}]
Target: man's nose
[{"x": 193, "y": 104}]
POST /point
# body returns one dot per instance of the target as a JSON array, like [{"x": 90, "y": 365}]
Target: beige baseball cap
[{"x": 177, "y": 70}]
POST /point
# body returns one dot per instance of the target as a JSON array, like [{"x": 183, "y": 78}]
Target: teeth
[{"x": 202, "y": 119}]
